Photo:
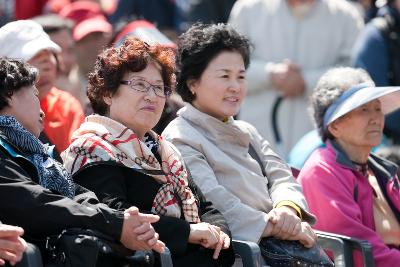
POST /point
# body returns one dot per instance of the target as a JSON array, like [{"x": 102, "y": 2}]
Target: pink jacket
[{"x": 342, "y": 198}]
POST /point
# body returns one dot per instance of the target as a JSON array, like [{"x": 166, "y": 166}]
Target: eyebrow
[
  {"x": 227, "y": 70},
  {"x": 142, "y": 78}
]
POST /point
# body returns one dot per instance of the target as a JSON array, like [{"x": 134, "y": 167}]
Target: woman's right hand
[
  {"x": 306, "y": 236},
  {"x": 138, "y": 233},
  {"x": 209, "y": 236}
]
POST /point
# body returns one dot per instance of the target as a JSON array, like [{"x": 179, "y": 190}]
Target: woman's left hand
[
  {"x": 285, "y": 222},
  {"x": 219, "y": 242}
]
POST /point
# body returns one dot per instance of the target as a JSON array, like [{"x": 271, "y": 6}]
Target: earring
[{"x": 193, "y": 93}]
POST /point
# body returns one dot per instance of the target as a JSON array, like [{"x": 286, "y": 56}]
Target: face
[
  {"x": 46, "y": 63},
  {"x": 301, "y": 8},
  {"x": 222, "y": 86},
  {"x": 64, "y": 39},
  {"x": 24, "y": 105},
  {"x": 139, "y": 111},
  {"x": 361, "y": 127}
]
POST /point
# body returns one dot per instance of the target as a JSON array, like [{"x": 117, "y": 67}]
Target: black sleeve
[
  {"x": 108, "y": 182},
  {"x": 42, "y": 212},
  {"x": 211, "y": 215},
  {"x": 208, "y": 212}
]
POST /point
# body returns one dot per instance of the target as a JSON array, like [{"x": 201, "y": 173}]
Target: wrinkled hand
[
  {"x": 12, "y": 246},
  {"x": 306, "y": 236},
  {"x": 283, "y": 223},
  {"x": 209, "y": 236},
  {"x": 138, "y": 233},
  {"x": 288, "y": 78}
]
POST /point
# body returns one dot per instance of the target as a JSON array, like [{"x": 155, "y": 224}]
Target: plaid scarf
[
  {"x": 52, "y": 174},
  {"x": 100, "y": 138}
]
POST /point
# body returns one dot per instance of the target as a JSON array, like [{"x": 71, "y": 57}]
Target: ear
[
  {"x": 192, "y": 85},
  {"x": 107, "y": 100},
  {"x": 334, "y": 128}
]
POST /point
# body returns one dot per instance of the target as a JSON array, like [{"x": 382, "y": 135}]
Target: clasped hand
[
  {"x": 138, "y": 233},
  {"x": 283, "y": 223},
  {"x": 12, "y": 245},
  {"x": 209, "y": 236},
  {"x": 288, "y": 79}
]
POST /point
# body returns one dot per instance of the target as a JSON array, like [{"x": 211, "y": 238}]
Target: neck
[
  {"x": 358, "y": 154},
  {"x": 139, "y": 134}
]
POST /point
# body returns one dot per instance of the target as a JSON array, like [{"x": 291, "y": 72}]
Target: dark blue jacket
[{"x": 372, "y": 53}]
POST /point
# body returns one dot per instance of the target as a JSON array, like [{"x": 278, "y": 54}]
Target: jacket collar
[
  {"x": 13, "y": 152},
  {"x": 9, "y": 148},
  {"x": 214, "y": 128},
  {"x": 376, "y": 163}
]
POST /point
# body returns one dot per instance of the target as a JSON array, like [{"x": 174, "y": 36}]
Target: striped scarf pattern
[
  {"x": 52, "y": 175},
  {"x": 102, "y": 139}
]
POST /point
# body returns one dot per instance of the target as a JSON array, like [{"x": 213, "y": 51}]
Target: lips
[
  {"x": 232, "y": 99},
  {"x": 151, "y": 108}
]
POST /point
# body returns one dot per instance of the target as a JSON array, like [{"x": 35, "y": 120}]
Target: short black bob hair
[
  {"x": 14, "y": 75},
  {"x": 200, "y": 44}
]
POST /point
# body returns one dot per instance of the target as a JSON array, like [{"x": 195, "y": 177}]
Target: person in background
[
  {"x": 162, "y": 13},
  {"x": 204, "y": 11},
  {"x": 117, "y": 155},
  {"x": 26, "y": 40},
  {"x": 12, "y": 245},
  {"x": 351, "y": 190},
  {"x": 59, "y": 30},
  {"x": 378, "y": 52},
  {"x": 292, "y": 49},
  {"x": 391, "y": 153},
  {"x": 91, "y": 33},
  {"x": 7, "y": 11},
  {"x": 36, "y": 192},
  {"x": 257, "y": 199}
]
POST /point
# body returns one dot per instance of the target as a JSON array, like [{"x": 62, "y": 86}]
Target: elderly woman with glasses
[
  {"x": 117, "y": 155},
  {"x": 351, "y": 190}
]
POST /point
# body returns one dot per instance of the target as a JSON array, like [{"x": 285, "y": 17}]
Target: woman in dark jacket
[
  {"x": 117, "y": 155},
  {"x": 36, "y": 192}
]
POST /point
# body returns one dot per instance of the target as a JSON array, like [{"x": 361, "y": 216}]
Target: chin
[{"x": 36, "y": 133}]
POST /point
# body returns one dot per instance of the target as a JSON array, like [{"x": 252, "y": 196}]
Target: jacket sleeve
[
  {"x": 42, "y": 212},
  {"x": 258, "y": 77},
  {"x": 232, "y": 208},
  {"x": 352, "y": 23},
  {"x": 281, "y": 183},
  {"x": 208, "y": 212},
  {"x": 108, "y": 183},
  {"x": 332, "y": 199}
]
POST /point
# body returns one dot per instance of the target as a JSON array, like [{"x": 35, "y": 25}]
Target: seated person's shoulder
[
  {"x": 249, "y": 128},
  {"x": 179, "y": 128}
]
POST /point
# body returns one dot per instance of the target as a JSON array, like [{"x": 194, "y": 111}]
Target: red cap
[{"x": 88, "y": 18}]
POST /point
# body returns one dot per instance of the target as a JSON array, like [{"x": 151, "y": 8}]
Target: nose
[
  {"x": 151, "y": 94},
  {"x": 42, "y": 115},
  {"x": 377, "y": 117},
  {"x": 234, "y": 86}
]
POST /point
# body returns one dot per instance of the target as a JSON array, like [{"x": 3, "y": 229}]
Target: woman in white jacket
[{"x": 211, "y": 65}]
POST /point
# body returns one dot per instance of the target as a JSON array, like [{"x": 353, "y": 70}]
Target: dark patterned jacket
[{"x": 121, "y": 187}]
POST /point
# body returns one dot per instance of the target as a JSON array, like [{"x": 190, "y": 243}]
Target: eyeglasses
[{"x": 144, "y": 86}]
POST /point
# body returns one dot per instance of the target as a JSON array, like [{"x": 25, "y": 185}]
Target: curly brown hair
[{"x": 133, "y": 55}]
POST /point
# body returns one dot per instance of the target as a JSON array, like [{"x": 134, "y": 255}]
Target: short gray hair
[{"x": 329, "y": 87}]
